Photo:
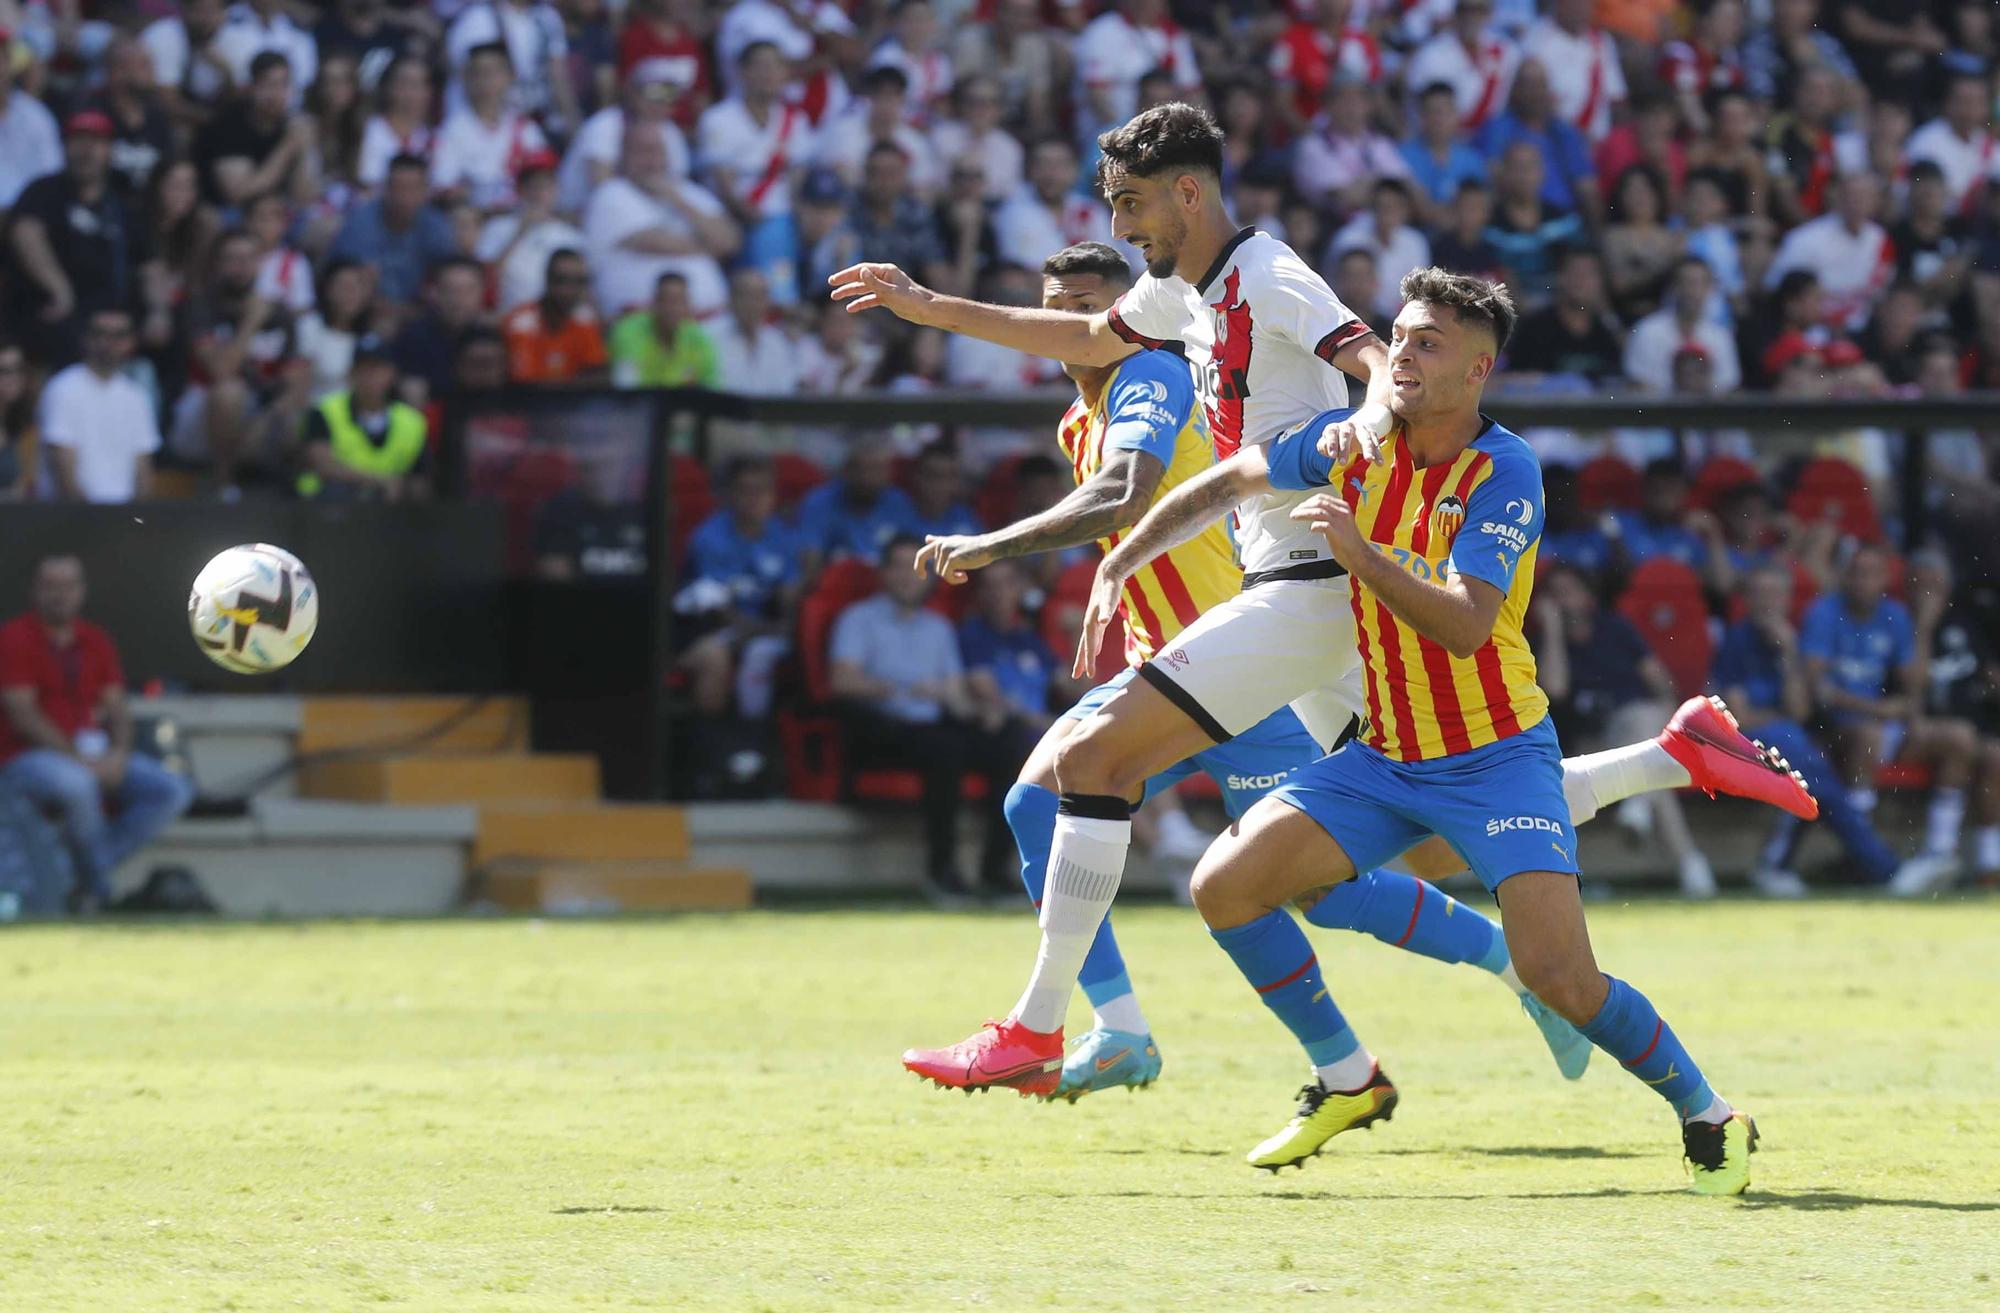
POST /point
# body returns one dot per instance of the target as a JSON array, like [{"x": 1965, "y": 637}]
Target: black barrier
[{"x": 411, "y": 597}]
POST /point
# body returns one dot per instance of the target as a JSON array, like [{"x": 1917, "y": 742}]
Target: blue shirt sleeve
[
  {"x": 1151, "y": 399},
  {"x": 1817, "y": 628},
  {"x": 1502, "y": 521},
  {"x": 1295, "y": 460},
  {"x": 708, "y": 550}
]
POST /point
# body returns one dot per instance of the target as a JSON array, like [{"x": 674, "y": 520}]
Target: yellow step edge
[
  {"x": 604, "y": 832},
  {"x": 469, "y": 778},
  {"x": 614, "y": 886},
  {"x": 416, "y": 724}
]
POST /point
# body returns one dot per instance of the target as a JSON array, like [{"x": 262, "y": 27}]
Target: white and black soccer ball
[{"x": 253, "y": 609}]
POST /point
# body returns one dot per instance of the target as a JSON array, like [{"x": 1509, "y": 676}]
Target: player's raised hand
[
  {"x": 864, "y": 286},
  {"x": 1106, "y": 590},
  {"x": 1360, "y": 434},
  {"x": 951, "y": 557},
  {"x": 1333, "y": 519}
]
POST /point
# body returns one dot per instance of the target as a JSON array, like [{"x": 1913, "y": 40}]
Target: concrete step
[
  {"x": 480, "y": 779},
  {"x": 405, "y": 725},
  {"x": 582, "y": 832},
  {"x": 599, "y": 888}
]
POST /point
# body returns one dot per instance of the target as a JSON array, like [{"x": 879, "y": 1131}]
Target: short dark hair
[
  {"x": 884, "y": 77},
  {"x": 1088, "y": 258},
  {"x": 1036, "y": 466},
  {"x": 669, "y": 277},
  {"x": 1665, "y": 467},
  {"x": 440, "y": 267},
  {"x": 749, "y": 52},
  {"x": 739, "y": 468},
  {"x": 560, "y": 253},
  {"x": 491, "y": 48},
  {"x": 1472, "y": 300},
  {"x": 1173, "y": 138},
  {"x": 398, "y": 163},
  {"x": 266, "y": 60},
  {"x": 1436, "y": 89}
]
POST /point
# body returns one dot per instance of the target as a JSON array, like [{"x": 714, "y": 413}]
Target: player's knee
[
  {"x": 1088, "y": 761},
  {"x": 1572, "y": 988}
]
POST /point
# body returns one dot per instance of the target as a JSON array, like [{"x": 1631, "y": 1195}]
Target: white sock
[
  {"x": 1086, "y": 863},
  {"x": 1509, "y": 979},
  {"x": 1986, "y": 848},
  {"x": 1718, "y": 1110},
  {"x": 1595, "y": 780},
  {"x": 1947, "y": 819},
  {"x": 1121, "y": 1013},
  {"x": 1350, "y": 1073}
]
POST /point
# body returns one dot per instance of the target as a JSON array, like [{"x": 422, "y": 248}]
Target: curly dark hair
[
  {"x": 1173, "y": 138},
  {"x": 1472, "y": 300}
]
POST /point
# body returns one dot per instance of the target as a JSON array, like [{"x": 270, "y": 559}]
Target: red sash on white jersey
[
  {"x": 775, "y": 167},
  {"x": 1078, "y": 215},
  {"x": 1595, "y": 95},
  {"x": 1489, "y": 61}
]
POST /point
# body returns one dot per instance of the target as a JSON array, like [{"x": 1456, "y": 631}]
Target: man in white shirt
[
  {"x": 1582, "y": 63},
  {"x": 911, "y": 49},
  {"x": 749, "y": 146},
  {"x": 483, "y": 146},
  {"x": 98, "y": 426},
  {"x": 645, "y": 222},
  {"x": 1046, "y": 213},
  {"x": 1116, "y": 50},
  {"x": 651, "y": 90},
  {"x": 1384, "y": 231},
  {"x": 255, "y": 26},
  {"x": 976, "y": 134},
  {"x": 1960, "y": 140},
  {"x": 1682, "y": 322},
  {"x": 882, "y": 115},
  {"x": 788, "y": 25},
  {"x": 517, "y": 245},
  {"x": 533, "y": 34},
  {"x": 753, "y": 355},
  {"x": 30, "y": 144},
  {"x": 188, "y": 65},
  {"x": 1845, "y": 249},
  {"x": 1477, "y": 65}
]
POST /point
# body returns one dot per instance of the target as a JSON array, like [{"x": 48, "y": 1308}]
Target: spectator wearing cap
[
  {"x": 518, "y": 244},
  {"x": 1117, "y": 49},
  {"x": 1846, "y": 250},
  {"x": 30, "y": 146},
  {"x": 1341, "y": 154},
  {"x": 142, "y": 132},
  {"x": 662, "y": 346},
  {"x": 426, "y": 346},
  {"x": 1386, "y": 230},
  {"x": 1321, "y": 44},
  {"x": 1568, "y": 176},
  {"x": 750, "y": 149},
  {"x": 188, "y": 65},
  {"x": 401, "y": 123},
  {"x": 1575, "y": 335},
  {"x": 259, "y": 27},
  {"x": 531, "y": 32},
  {"x": 645, "y": 222},
  {"x": 652, "y": 89},
  {"x": 255, "y": 145},
  {"x": 556, "y": 338},
  {"x": 483, "y": 143},
  {"x": 1682, "y": 321},
  {"x": 1469, "y": 59},
  {"x": 74, "y": 242},
  {"x": 1437, "y": 155},
  {"x": 244, "y": 393},
  {"x": 361, "y": 443},
  {"x": 976, "y": 136},
  {"x": 664, "y": 30},
  {"x": 98, "y": 434},
  {"x": 1046, "y": 213},
  {"x": 1581, "y": 60},
  {"x": 398, "y": 233},
  {"x": 823, "y": 243},
  {"x": 881, "y": 116},
  {"x": 754, "y": 355}
]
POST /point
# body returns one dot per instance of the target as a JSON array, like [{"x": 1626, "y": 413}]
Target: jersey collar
[{"x": 1222, "y": 258}]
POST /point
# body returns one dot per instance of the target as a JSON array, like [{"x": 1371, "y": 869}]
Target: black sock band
[{"x": 1094, "y": 806}]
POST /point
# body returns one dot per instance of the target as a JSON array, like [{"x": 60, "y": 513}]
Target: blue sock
[
  {"x": 1273, "y": 955},
  {"x": 1406, "y": 912},
  {"x": 1031, "y": 814},
  {"x": 1630, "y": 1030}
]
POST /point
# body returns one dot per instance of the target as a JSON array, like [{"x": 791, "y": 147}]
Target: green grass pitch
[{"x": 707, "y": 1112}]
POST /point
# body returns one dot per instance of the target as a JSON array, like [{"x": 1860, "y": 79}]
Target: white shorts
[{"x": 1287, "y": 641}]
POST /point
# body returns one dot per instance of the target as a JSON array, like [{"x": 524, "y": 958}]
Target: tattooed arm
[{"x": 1112, "y": 499}]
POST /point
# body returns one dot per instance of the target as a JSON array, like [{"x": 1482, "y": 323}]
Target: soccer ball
[{"x": 253, "y": 609}]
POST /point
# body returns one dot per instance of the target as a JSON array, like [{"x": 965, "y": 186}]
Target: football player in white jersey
[{"x": 1269, "y": 342}]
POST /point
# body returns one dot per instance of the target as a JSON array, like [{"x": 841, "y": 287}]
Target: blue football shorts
[{"x": 1501, "y": 806}]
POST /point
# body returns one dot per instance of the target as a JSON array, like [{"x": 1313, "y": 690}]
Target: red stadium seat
[
  {"x": 1717, "y": 477},
  {"x": 1664, "y": 602},
  {"x": 692, "y": 499},
  {"x": 1608, "y": 484},
  {"x": 796, "y": 477},
  {"x": 1830, "y": 489},
  {"x": 993, "y": 501},
  {"x": 1062, "y": 619}
]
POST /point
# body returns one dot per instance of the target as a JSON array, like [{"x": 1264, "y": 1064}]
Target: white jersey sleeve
[
  {"x": 1296, "y": 304},
  {"x": 1151, "y": 314}
]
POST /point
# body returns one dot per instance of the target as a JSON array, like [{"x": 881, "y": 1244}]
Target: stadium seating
[
  {"x": 1716, "y": 477},
  {"x": 1607, "y": 483},
  {"x": 1664, "y": 602},
  {"x": 1830, "y": 489},
  {"x": 796, "y": 476}
]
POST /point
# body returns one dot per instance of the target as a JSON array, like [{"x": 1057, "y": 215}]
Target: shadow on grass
[
  {"x": 1527, "y": 1151},
  {"x": 1812, "y": 1201},
  {"x": 1805, "y": 1200},
  {"x": 587, "y": 1210}
]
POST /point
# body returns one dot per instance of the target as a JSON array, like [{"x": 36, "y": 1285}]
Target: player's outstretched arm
[
  {"x": 1175, "y": 519},
  {"x": 1362, "y": 432},
  {"x": 1059, "y": 335},
  {"x": 1112, "y": 499},
  {"x": 1457, "y": 614}
]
